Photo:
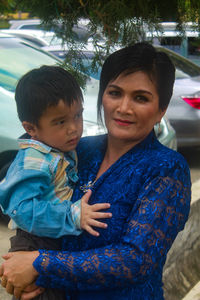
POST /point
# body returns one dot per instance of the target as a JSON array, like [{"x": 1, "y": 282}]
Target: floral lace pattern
[{"x": 149, "y": 191}]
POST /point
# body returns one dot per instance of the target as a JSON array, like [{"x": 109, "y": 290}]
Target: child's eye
[
  {"x": 61, "y": 122},
  {"x": 79, "y": 115}
]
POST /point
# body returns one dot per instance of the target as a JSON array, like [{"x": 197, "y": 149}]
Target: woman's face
[{"x": 131, "y": 107}]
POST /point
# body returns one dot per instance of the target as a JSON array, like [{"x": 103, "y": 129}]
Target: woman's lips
[{"x": 123, "y": 122}]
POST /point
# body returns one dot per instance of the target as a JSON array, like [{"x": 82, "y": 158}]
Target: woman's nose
[{"x": 125, "y": 106}]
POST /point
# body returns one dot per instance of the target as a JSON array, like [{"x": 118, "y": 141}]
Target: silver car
[{"x": 184, "y": 109}]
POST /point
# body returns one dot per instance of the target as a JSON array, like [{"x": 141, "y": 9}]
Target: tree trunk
[{"x": 182, "y": 268}]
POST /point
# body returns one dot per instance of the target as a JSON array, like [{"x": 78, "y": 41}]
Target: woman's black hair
[
  {"x": 139, "y": 57},
  {"x": 44, "y": 87}
]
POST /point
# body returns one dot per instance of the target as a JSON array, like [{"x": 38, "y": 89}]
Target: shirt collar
[
  {"x": 25, "y": 143},
  {"x": 30, "y": 143}
]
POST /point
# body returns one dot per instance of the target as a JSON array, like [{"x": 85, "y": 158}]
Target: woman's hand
[
  {"x": 31, "y": 292},
  {"x": 17, "y": 271}
]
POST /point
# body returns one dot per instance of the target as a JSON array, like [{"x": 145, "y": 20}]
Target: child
[{"x": 37, "y": 189}]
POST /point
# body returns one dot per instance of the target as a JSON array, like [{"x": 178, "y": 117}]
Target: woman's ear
[
  {"x": 30, "y": 128},
  {"x": 161, "y": 114}
]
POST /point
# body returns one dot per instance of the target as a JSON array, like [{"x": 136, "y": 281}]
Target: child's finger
[
  {"x": 98, "y": 224},
  {"x": 101, "y": 215},
  {"x": 100, "y": 206},
  {"x": 90, "y": 230},
  {"x": 32, "y": 294},
  {"x": 86, "y": 196}
]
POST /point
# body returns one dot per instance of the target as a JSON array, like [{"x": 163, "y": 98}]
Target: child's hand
[{"x": 89, "y": 214}]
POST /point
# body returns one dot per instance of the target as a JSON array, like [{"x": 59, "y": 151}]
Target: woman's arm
[{"x": 160, "y": 213}]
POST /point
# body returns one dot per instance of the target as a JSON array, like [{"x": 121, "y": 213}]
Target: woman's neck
[{"x": 115, "y": 149}]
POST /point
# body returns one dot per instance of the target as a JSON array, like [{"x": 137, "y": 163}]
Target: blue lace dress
[{"x": 149, "y": 190}]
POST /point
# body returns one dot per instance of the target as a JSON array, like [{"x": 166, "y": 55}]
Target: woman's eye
[
  {"x": 114, "y": 93},
  {"x": 141, "y": 98}
]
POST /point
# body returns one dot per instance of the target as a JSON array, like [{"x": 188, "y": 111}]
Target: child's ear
[{"x": 30, "y": 128}]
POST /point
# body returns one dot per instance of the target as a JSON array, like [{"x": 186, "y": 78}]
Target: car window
[
  {"x": 17, "y": 58},
  {"x": 184, "y": 68},
  {"x": 173, "y": 43},
  {"x": 52, "y": 40},
  {"x": 31, "y": 26}
]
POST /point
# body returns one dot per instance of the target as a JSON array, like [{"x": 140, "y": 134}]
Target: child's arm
[
  {"x": 89, "y": 214},
  {"x": 23, "y": 198}
]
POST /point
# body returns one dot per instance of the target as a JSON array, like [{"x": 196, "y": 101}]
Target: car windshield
[
  {"x": 52, "y": 40},
  {"x": 17, "y": 58}
]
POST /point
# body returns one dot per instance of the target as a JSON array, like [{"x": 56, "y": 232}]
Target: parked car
[
  {"x": 50, "y": 42},
  {"x": 39, "y": 38},
  {"x": 80, "y": 30},
  {"x": 187, "y": 44},
  {"x": 25, "y": 24},
  {"x": 184, "y": 109},
  {"x": 32, "y": 29}
]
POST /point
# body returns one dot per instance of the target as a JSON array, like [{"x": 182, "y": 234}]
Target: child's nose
[{"x": 71, "y": 128}]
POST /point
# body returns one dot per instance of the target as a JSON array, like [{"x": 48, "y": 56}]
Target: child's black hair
[{"x": 44, "y": 87}]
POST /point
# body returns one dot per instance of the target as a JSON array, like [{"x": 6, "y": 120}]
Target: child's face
[{"x": 61, "y": 126}]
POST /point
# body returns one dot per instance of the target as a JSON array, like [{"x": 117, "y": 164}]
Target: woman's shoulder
[
  {"x": 167, "y": 161},
  {"x": 91, "y": 143},
  {"x": 170, "y": 156}
]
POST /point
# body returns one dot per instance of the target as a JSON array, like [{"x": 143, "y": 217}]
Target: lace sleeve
[{"x": 160, "y": 212}]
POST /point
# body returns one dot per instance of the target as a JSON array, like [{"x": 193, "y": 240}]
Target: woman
[{"x": 147, "y": 184}]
